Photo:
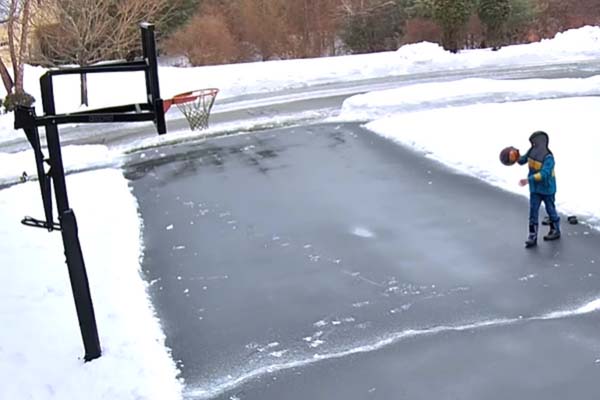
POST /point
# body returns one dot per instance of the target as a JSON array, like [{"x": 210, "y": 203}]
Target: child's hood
[{"x": 539, "y": 146}]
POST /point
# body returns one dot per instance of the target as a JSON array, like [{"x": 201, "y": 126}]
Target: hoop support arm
[
  {"x": 24, "y": 119},
  {"x": 102, "y": 68}
]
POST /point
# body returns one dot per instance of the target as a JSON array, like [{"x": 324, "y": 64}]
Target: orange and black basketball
[{"x": 509, "y": 155}]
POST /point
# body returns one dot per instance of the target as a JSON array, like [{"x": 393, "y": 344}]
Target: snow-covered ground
[
  {"x": 40, "y": 343},
  {"x": 39, "y": 340}
]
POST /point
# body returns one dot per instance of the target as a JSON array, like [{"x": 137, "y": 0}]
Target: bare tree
[
  {"x": 16, "y": 14},
  {"x": 85, "y": 32},
  {"x": 204, "y": 40},
  {"x": 262, "y": 24},
  {"x": 371, "y": 25},
  {"x": 312, "y": 27}
]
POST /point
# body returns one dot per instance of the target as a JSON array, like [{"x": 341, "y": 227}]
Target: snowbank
[
  {"x": 40, "y": 343},
  {"x": 441, "y": 94}
]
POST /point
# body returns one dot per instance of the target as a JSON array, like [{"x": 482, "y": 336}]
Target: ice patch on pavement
[
  {"x": 221, "y": 385},
  {"x": 362, "y": 232}
]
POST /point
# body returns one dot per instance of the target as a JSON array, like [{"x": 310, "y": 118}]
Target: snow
[
  {"x": 413, "y": 97},
  {"x": 40, "y": 345},
  {"x": 75, "y": 158},
  {"x": 470, "y": 138},
  {"x": 242, "y": 79}
]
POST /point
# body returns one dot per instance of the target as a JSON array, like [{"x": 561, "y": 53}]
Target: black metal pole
[
  {"x": 152, "y": 85},
  {"x": 68, "y": 222},
  {"x": 149, "y": 54}
]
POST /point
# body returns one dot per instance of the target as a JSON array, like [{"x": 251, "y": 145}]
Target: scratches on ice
[{"x": 218, "y": 387}]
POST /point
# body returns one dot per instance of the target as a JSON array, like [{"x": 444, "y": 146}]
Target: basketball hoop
[{"x": 195, "y": 105}]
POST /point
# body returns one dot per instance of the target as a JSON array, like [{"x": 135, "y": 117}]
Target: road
[
  {"x": 328, "y": 96},
  {"x": 323, "y": 262}
]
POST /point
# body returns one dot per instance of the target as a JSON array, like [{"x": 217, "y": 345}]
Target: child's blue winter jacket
[{"x": 541, "y": 165}]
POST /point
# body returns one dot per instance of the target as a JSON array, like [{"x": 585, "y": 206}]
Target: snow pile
[
  {"x": 441, "y": 94},
  {"x": 584, "y": 41},
  {"x": 424, "y": 52},
  {"x": 40, "y": 342}
]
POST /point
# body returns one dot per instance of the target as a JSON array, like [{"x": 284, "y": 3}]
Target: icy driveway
[{"x": 326, "y": 262}]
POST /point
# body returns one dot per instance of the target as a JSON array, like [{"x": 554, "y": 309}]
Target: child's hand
[
  {"x": 523, "y": 182},
  {"x": 515, "y": 155}
]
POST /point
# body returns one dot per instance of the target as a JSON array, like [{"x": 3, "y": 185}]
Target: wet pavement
[{"x": 324, "y": 262}]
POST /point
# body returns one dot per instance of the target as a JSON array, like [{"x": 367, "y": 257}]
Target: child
[{"x": 542, "y": 186}]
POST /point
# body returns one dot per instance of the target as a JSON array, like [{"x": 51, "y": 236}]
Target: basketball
[{"x": 509, "y": 155}]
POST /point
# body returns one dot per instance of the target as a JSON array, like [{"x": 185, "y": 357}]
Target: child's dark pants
[{"x": 535, "y": 200}]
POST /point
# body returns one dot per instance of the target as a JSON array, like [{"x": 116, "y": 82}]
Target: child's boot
[
  {"x": 554, "y": 231},
  {"x": 532, "y": 238}
]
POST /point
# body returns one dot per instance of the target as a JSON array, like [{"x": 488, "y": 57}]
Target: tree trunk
[
  {"x": 305, "y": 30},
  {"x": 11, "y": 36},
  {"x": 84, "y": 90},
  {"x": 19, "y": 62},
  {"x": 6, "y": 78}
]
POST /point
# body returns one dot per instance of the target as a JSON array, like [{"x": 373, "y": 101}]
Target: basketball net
[{"x": 195, "y": 106}]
